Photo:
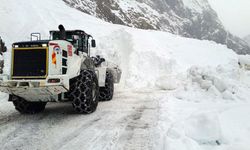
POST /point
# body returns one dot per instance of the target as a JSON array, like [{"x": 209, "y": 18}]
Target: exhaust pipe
[{"x": 62, "y": 32}]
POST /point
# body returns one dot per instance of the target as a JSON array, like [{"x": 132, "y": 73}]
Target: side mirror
[
  {"x": 93, "y": 43},
  {"x": 103, "y": 60}
]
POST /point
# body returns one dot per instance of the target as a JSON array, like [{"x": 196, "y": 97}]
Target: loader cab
[{"x": 78, "y": 38}]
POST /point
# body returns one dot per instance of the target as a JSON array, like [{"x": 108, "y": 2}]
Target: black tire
[
  {"x": 84, "y": 92},
  {"x": 25, "y": 107},
  {"x": 107, "y": 92}
]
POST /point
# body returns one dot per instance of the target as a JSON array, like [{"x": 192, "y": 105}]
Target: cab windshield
[
  {"x": 80, "y": 42},
  {"x": 69, "y": 36}
]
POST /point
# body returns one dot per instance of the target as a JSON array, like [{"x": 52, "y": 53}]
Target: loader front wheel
[
  {"x": 84, "y": 92},
  {"x": 106, "y": 93},
  {"x": 25, "y": 107}
]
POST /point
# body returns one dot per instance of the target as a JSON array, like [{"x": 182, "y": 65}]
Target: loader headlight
[{"x": 44, "y": 45}]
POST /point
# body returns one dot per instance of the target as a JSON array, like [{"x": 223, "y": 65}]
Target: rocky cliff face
[{"x": 189, "y": 18}]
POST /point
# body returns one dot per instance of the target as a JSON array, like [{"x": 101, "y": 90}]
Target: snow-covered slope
[
  {"x": 189, "y": 18},
  {"x": 126, "y": 46},
  {"x": 247, "y": 39},
  {"x": 197, "y": 5},
  {"x": 176, "y": 93}
]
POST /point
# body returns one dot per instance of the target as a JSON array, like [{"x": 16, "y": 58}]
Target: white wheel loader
[{"x": 58, "y": 70}]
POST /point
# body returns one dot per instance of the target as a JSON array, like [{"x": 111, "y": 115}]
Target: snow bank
[
  {"x": 204, "y": 128},
  {"x": 222, "y": 81},
  {"x": 207, "y": 126},
  {"x": 236, "y": 125},
  {"x": 167, "y": 83},
  {"x": 195, "y": 132},
  {"x": 244, "y": 61},
  {"x": 146, "y": 57},
  {"x": 207, "y": 79}
]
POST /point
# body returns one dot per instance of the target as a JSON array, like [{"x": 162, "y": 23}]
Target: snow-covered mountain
[
  {"x": 189, "y": 18},
  {"x": 247, "y": 39}
]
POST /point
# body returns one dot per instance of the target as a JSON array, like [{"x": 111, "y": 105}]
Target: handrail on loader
[{"x": 36, "y": 35}]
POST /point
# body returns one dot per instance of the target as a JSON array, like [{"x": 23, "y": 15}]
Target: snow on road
[
  {"x": 138, "y": 119},
  {"x": 129, "y": 121}
]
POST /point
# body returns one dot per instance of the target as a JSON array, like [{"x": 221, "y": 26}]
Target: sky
[{"x": 234, "y": 14}]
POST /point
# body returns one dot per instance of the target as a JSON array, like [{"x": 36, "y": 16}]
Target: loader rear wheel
[
  {"x": 106, "y": 93},
  {"x": 25, "y": 107},
  {"x": 84, "y": 92}
]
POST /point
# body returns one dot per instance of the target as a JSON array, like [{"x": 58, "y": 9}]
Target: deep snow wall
[{"x": 145, "y": 56}]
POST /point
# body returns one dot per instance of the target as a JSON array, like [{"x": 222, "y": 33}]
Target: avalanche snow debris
[
  {"x": 203, "y": 128},
  {"x": 167, "y": 83},
  {"x": 214, "y": 80},
  {"x": 244, "y": 61}
]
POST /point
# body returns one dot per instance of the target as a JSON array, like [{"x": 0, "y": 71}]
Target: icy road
[{"x": 132, "y": 120}]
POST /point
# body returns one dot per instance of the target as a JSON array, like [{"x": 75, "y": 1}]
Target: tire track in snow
[
  {"x": 101, "y": 135},
  {"x": 106, "y": 134},
  {"x": 126, "y": 122},
  {"x": 138, "y": 133},
  {"x": 19, "y": 133},
  {"x": 76, "y": 133}
]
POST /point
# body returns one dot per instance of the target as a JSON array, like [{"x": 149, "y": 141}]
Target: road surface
[{"x": 129, "y": 121}]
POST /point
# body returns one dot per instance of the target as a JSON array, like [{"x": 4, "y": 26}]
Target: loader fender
[
  {"x": 88, "y": 64},
  {"x": 101, "y": 74}
]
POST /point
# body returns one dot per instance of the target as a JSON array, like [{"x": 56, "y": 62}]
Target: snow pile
[
  {"x": 212, "y": 82},
  {"x": 168, "y": 83},
  {"x": 204, "y": 128},
  {"x": 198, "y": 125},
  {"x": 244, "y": 61},
  {"x": 197, "y": 131},
  {"x": 236, "y": 126}
]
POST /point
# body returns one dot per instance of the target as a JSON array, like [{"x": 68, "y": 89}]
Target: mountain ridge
[
  {"x": 247, "y": 39},
  {"x": 188, "y": 18}
]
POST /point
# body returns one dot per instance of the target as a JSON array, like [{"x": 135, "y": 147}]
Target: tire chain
[
  {"x": 106, "y": 93},
  {"x": 26, "y": 107},
  {"x": 81, "y": 92}
]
